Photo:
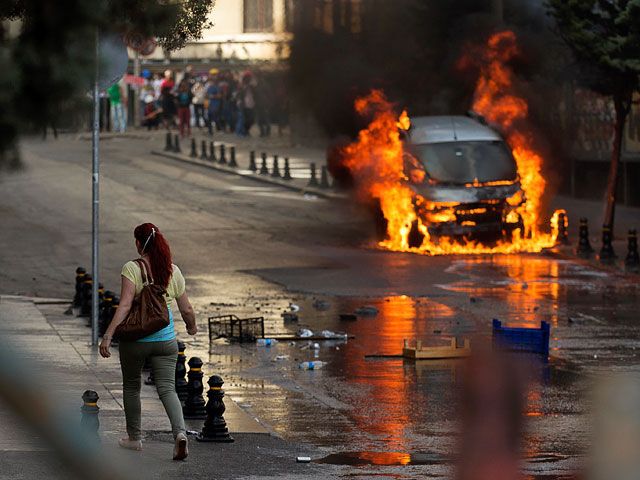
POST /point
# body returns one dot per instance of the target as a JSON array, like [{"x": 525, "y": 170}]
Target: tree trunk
[{"x": 622, "y": 110}]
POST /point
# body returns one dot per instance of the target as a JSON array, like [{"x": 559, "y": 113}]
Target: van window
[{"x": 466, "y": 162}]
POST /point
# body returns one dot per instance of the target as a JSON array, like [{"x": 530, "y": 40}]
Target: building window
[{"x": 258, "y": 15}]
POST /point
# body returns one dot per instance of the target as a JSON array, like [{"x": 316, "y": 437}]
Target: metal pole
[{"x": 95, "y": 191}]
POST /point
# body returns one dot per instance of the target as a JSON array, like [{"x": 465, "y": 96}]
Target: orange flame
[{"x": 377, "y": 161}]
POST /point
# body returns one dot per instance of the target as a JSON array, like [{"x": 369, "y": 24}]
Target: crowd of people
[{"x": 227, "y": 101}]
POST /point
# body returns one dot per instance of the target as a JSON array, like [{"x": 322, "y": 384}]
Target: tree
[
  {"x": 47, "y": 67},
  {"x": 604, "y": 36}
]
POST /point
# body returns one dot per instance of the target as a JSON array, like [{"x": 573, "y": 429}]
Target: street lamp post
[{"x": 95, "y": 195}]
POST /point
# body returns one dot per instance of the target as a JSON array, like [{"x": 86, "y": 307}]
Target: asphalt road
[{"x": 250, "y": 249}]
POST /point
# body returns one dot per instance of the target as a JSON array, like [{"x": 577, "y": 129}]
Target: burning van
[{"x": 464, "y": 177}]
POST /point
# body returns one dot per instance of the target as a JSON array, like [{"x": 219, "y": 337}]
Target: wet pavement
[{"x": 249, "y": 250}]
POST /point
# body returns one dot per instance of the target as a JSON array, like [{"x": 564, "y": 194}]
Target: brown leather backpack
[{"x": 149, "y": 312}]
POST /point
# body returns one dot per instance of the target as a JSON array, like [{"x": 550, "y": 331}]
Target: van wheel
[{"x": 415, "y": 236}]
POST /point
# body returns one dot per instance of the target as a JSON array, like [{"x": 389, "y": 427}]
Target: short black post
[
  {"x": 232, "y": 157},
  {"x": 168, "y": 145},
  {"x": 275, "y": 172},
  {"x": 194, "y": 150},
  {"x": 89, "y": 421},
  {"x": 176, "y": 143},
  {"x": 147, "y": 367},
  {"x": 263, "y": 168},
  {"x": 104, "y": 313},
  {"x": 324, "y": 177},
  {"x": 632, "y": 262},
  {"x": 287, "y": 169},
  {"x": 80, "y": 274},
  {"x": 584, "y": 248},
  {"x": 203, "y": 150},
  {"x": 607, "y": 255},
  {"x": 313, "y": 180},
  {"x": 215, "y": 427},
  {"x": 85, "y": 293},
  {"x": 194, "y": 404},
  {"x": 563, "y": 230},
  {"x": 223, "y": 154},
  {"x": 252, "y": 161},
  {"x": 212, "y": 151},
  {"x": 181, "y": 372},
  {"x": 150, "y": 380}
]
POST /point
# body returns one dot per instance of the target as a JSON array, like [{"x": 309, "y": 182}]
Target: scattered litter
[
  {"x": 266, "y": 342},
  {"x": 312, "y": 365},
  {"x": 348, "y": 316},
  {"x": 282, "y": 357},
  {"x": 293, "y": 307},
  {"x": 291, "y": 344},
  {"x": 289, "y": 316},
  {"x": 304, "y": 333},
  {"x": 367, "y": 310},
  {"x": 321, "y": 305},
  {"x": 308, "y": 196},
  {"x": 303, "y": 459},
  {"x": 316, "y": 346},
  {"x": 330, "y": 334},
  {"x": 192, "y": 432},
  {"x": 595, "y": 356},
  {"x": 337, "y": 348}
]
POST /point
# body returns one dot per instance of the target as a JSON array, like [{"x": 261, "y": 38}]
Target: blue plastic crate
[{"x": 533, "y": 340}]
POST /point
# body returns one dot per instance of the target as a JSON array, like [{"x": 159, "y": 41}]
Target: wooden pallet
[{"x": 420, "y": 352}]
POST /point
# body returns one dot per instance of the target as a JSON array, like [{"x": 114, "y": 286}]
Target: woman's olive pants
[{"x": 163, "y": 356}]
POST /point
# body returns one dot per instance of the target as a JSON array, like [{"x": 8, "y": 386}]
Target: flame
[{"x": 378, "y": 163}]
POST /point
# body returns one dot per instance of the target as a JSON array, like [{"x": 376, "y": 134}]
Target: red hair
[{"x": 153, "y": 243}]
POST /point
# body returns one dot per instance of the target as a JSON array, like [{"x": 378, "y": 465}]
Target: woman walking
[{"x": 160, "y": 347}]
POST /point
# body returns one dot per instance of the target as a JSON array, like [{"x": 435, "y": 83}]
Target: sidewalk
[{"x": 68, "y": 366}]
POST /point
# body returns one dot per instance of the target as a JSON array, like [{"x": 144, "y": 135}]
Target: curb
[{"x": 243, "y": 173}]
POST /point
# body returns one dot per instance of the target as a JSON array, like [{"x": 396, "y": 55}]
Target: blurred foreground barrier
[
  {"x": 324, "y": 177},
  {"x": 275, "y": 173},
  {"x": 563, "y": 229},
  {"x": 203, "y": 150},
  {"x": 176, "y": 143},
  {"x": 252, "y": 161},
  {"x": 215, "y": 427},
  {"x": 263, "y": 167},
  {"x": 287, "y": 169},
  {"x": 632, "y": 262},
  {"x": 168, "y": 147},
  {"x": 212, "y": 151},
  {"x": 223, "y": 154},
  {"x": 194, "y": 404},
  {"x": 194, "y": 152},
  {"x": 232, "y": 157},
  {"x": 584, "y": 249}
]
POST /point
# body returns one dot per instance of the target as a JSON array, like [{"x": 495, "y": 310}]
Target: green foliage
[
  {"x": 604, "y": 36},
  {"x": 48, "y": 68}
]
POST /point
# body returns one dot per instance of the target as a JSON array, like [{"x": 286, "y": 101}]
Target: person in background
[
  {"x": 145, "y": 89},
  {"x": 151, "y": 113},
  {"x": 167, "y": 100},
  {"x": 156, "y": 83},
  {"x": 263, "y": 99},
  {"x": 199, "y": 93},
  {"x": 247, "y": 103},
  {"x": 184, "y": 108},
  {"x": 214, "y": 98},
  {"x": 118, "y": 118}
]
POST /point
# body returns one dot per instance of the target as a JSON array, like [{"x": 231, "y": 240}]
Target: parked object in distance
[{"x": 266, "y": 342}]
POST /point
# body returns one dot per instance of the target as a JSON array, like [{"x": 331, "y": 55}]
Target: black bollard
[
  {"x": 287, "y": 169},
  {"x": 232, "y": 154},
  {"x": 584, "y": 249},
  {"x": 263, "y": 168},
  {"x": 150, "y": 380},
  {"x": 313, "y": 181},
  {"x": 324, "y": 177},
  {"x": 203, "y": 150},
  {"x": 276, "y": 168},
  {"x": 89, "y": 422},
  {"x": 212, "y": 151},
  {"x": 563, "y": 229},
  {"x": 223, "y": 154},
  {"x": 176, "y": 143},
  {"x": 80, "y": 274},
  {"x": 215, "y": 427},
  {"x": 86, "y": 293},
  {"x": 181, "y": 372},
  {"x": 607, "y": 255},
  {"x": 252, "y": 161},
  {"x": 194, "y": 151},
  {"x": 168, "y": 146},
  {"x": 104, "y": 313},
  {"x": 194, "y": 404},
  {"x": 632, "y": 262}
]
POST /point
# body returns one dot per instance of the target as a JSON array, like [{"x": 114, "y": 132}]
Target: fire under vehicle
[{"x": 464, "y": 177}]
